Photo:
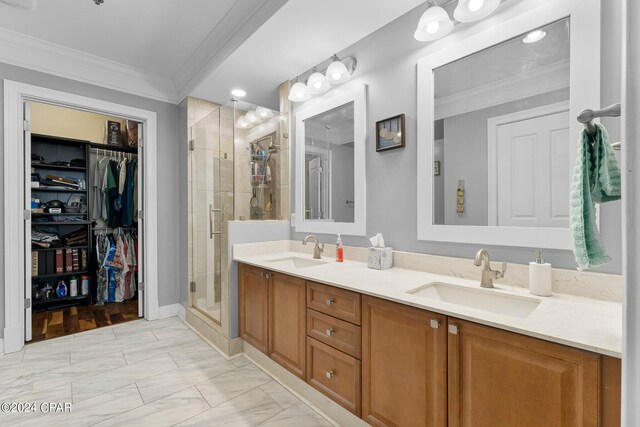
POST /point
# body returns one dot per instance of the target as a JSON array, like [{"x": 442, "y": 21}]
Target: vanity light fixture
[
  {"x": 534, "y": 36},
  {"x": 264, "y": 113},
  {"x": 473, "y": 10},
  {"x": 299, "y": 92},
  {"x": 434, "y": 23},
  {"x": 337, "y": 72},
  {"x": 243, "y": 123},
  {"x": 317, "y": 83},
  {"x": 252, "y": 117},
  {"x": 238, "y": 93}
]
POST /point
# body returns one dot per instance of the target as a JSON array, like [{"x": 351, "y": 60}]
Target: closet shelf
[
  {"x": 41, "y": 303},
  {"x": 54, "y": 167},
  {"x": 55, "y": 214},
  {"x": 66, "y": 273},
  {"x": 53, "y": 190},
  {"x": 59, "y": 247},
  {"x": 36, "y": 223}
]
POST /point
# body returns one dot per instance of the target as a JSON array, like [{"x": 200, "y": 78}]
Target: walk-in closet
[{"x": 86, "y": 248}]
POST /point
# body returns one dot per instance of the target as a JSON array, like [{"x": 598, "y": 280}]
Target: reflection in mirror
[
  {"x": 501, "y": 134},
  {"x": 329, "y": 165}
]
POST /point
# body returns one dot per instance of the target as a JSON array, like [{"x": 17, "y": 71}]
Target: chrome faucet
[
  {"x": 482, "y": 256},
  {"x": 319, "y": 247}
]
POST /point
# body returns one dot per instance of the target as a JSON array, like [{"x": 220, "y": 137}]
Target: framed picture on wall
[
  {"x": 390, "y": 133},
  {"x": 113, "y": 132}
]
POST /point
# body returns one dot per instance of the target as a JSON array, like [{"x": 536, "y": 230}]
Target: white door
[
  {"x": 318, "y": 189},
  {"x": 532, "y": 171},
  {"x": 27, "y": 223},
  {"x": 140, "y": 259}
]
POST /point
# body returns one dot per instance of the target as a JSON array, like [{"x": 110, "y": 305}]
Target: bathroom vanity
[{"x": 393, "y": 353}]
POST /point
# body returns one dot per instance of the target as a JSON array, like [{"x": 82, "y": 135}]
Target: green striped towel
[{"x": 596, "y": 179}]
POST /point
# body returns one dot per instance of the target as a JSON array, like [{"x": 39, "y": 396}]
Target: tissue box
[{"x": 380, "y": 258}]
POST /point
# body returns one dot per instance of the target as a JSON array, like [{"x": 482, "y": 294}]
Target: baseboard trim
[
  {"x": 171, "y": 310},
  {"x": 1, "y": 347}
]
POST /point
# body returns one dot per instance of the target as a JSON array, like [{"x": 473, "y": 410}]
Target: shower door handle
[{"x": 211, "y": 232}]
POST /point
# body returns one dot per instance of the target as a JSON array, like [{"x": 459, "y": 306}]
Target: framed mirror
[
  {"x": 330, "y": 163},
  {"x": 497, "y": 128}
]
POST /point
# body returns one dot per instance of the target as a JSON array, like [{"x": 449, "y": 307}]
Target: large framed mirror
[
  {"x": 330, "y": 163},
  {"x": 497, "y": 128}
]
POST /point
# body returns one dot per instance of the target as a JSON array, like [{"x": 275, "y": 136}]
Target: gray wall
[
  {"x": 391, "y": 176},
  {"x": 465, "y": 156},
  {"x": 168, "y": 233}
]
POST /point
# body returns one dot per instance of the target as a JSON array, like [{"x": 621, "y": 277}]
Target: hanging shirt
[
  {"x": 114, "y": 200},
  {"x": 97, "y": 188}
]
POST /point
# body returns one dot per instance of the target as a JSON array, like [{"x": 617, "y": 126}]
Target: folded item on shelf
[
  {"x": 76, "y": 237},
  {"x": 45, "y": 239},
  {"x": 79, "y": 163}
]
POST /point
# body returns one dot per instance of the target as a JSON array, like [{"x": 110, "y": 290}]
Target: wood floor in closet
[{"x": 71, "y": 320}]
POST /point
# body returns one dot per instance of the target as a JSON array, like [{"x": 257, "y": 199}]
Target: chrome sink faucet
[
  {"x": 482, "y": 257},
  {"x": 318, "y": 248}
]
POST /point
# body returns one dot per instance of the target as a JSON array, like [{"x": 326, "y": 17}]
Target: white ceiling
[
  {"x": 301, "y": 34},
  {"x": 169, "y": 49}
]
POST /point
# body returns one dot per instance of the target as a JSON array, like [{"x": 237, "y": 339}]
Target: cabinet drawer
[
  {"x": 335, "y": 302},
  {"x": 335, "y": 374},
  {"x": 337, "y": 333}
]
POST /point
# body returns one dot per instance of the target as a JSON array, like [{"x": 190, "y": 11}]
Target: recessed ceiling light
[
  {"x": 534, "y": 36},
  {"x": 239, "y": 93}
]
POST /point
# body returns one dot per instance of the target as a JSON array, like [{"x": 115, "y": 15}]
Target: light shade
[
  {"x": 264, "y": 113},
  {"x": 318, "y": 83},
  {"x": 299, "y": 92},
  {"x": 252, "y": 117},
  {"x": 243, "y": 123},
  {"x": 434, "y": 24},
  {"x": 472, "y": 10},
  {"x": 337, "y": 72}
]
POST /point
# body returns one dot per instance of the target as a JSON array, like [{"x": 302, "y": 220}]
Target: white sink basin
[
  {"x": 481, "y": 299},
  {"x": 296, "y": 262}
]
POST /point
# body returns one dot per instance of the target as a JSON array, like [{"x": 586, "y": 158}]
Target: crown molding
[
  {"x": 51, "y": 58},
  {"x": 242, "y": 20},
  {"x": 547, "y": 79}
]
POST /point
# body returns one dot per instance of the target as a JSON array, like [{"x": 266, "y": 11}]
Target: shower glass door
[{"x": 206, "y": 215}]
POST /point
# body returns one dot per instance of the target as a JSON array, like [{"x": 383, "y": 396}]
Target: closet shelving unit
[{"x": 55, "y": 149}]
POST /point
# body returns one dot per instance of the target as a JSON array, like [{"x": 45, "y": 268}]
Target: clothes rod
[
  {"x": 118, "y": 153},
  {"x": 586, "y": 117}
]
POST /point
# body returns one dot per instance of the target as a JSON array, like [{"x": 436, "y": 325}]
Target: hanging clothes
[
  {"x": 97, "y": 189},
  {"x": 117, "y": 264}
]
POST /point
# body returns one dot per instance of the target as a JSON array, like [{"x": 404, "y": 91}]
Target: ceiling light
[
  {"x": 318, "y": 83},
  {"x": 264, "y": 113},
  {"x": 472, "y": 10},
  {"x": 434, "y": 24},
  {"x": 534, "y": 36},
  {"x": 337, "y": 72},
  {"x": 239, "y": 93},
  {"x": 299, "y": 92}
]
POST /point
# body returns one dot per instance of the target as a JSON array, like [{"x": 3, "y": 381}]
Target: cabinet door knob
[
  {"x": 435, "y": 323},
  {"x": 329, "y": 332},
  {"x": 329, "y": 301},
  {"x": 329, "y": 374},
  {"x": 453, "y": 329}
]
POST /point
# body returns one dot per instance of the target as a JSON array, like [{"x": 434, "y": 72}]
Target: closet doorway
[
  {"x": 84, "y": 238},
  {"x": 25, "y": 294}
]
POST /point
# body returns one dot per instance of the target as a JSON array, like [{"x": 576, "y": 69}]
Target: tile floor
[{"x": 144, "y": 374}]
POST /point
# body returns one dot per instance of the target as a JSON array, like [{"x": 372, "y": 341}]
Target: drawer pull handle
[
  {"x": 329, "y": 374},
  {"x": 329, "y": 301},
  {"x": 329, "y": 332}
]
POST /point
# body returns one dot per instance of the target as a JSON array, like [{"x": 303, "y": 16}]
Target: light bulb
[
  {"x": 338, "y": 72},
  {"x": 475, "y": 5},
  {"x": 432, "y": 27},
  {"x": 318, "y": 83},
  {"x": 299, "y": 92}
]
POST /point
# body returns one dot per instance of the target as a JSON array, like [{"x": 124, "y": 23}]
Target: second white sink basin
[
  {"x": 296, "y": 262},
  {"x": 481, "y": 299}
]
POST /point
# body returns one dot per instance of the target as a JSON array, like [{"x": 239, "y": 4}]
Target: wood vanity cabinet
[
  {"x": 287, "y": 322},
  {"x": 499, "y": 378},
  {"x": 253, "y": 298},
  {"x": 404, "y": 365}
]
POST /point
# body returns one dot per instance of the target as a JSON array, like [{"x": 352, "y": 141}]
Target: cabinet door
[
  {"x": 404, "y": 365},
  {"x": 287, "y": 322},
  {"x": 498, "y": 378},
  {"x": 253, "y": 296}
]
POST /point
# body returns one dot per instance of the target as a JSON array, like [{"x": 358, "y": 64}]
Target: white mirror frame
[
  {"x": 356, "y": 93},
  {"x": 584, "y": 93}
]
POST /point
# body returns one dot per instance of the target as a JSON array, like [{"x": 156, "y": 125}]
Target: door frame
[
  {"x": 492, "y": 148},
  {"x": 15, "y": 94}
]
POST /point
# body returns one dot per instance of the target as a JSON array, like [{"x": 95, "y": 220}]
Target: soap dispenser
[{"x": 540, "y": 276}]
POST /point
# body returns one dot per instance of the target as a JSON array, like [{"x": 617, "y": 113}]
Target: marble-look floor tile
[
  {"x": 232, "y": 384},
  {"x": 296, "y": 416},
  {"x": 279, "y": 394},
  {"x": 193, "y": 352},
  {"x": 94, "y": 353},
  {"x": 167, "y": 411},
  {"x": 86, "y": 388},
  {"x": 162, "y": 385},
  {"x": 249, "y": 409},
  {"x": 33, "y": 364},
  {"x": 135, "y": 354},
  {"x": 241, "y": 361}
]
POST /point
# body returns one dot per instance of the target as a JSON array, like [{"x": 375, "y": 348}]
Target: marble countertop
[{"x": 584, "y": 323}]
